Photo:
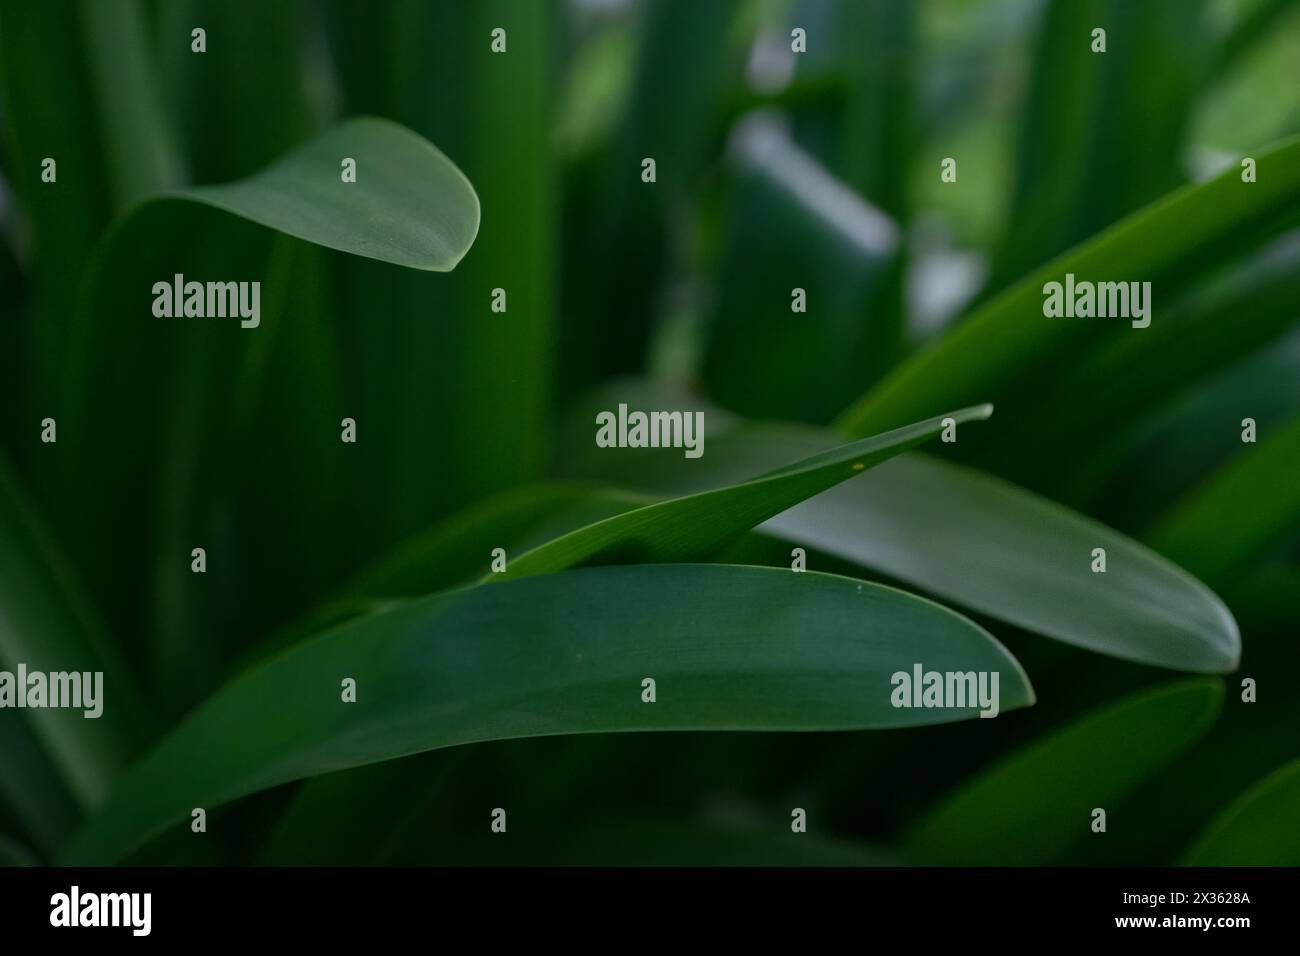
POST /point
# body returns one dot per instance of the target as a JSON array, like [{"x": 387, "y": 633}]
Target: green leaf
[
  {"x": 1001, "y": 550},
  {"x": 691, "y": 527},
  {"x": 785, "y": 652},
  {"x": 968, "y": 537},
  {"x": 1210, "y": 328},
  {"x": 452, "y": 552},
  {"x": 168, "y": 474},
  {"x": 1032, "y": 807},
  {"x": 1162, "y": 456},
  {"x": 410, "y": 205},
  {"x": 1260, "y": 828},
  {"x": 1007, "y": 347},
  {"x": 1211, "y": 533}
]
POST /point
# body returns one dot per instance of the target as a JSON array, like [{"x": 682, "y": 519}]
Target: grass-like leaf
[
  {"x": 558, "y": 654},
  {"x": 1009, "y": 341},
  {"x": 1033, "y": 806},
  {"x": 1260, "y": 828},
  {"x": 1211, "y": 533},
  {"x": 691, "y": 527}
]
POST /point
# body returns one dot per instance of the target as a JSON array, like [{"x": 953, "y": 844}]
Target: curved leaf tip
[
  {"x": 398, "y": 200},
  {"x": 565, "y": 653}
]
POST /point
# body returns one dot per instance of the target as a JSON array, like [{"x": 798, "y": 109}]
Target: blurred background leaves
[{"x": 776, "y": 170}]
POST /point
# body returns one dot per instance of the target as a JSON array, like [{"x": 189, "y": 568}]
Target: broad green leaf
[
  {"x": 967, "y": 537},
  {"x": 410, "y": 205},
  {"x": 45, "y": 625},
  {"x": 1235, "y": 513},
  {"x": 1032, "y": 807},
  {"x": 453, "y": 552},
  {"x": 692, "y": 526},
  {"x": 458, "y": 550},
  {"x": 1007, "y": 347},
  {"x": 995, "y": 548},
  {"x": 168, "y": 474},
  {"x": 1260, "y": 828},
  {"x": 785, "y": 652}
]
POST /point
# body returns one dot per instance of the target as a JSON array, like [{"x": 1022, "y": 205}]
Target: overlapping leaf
[
  {"x": 556, "y": 654},
  {"x": 690, "y": 527},
  {"x": 1032, "y": 807},
  {"x": 1261, "y": 828}
]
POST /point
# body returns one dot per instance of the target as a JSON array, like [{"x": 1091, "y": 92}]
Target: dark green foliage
[{"x": 521, "y": 171}]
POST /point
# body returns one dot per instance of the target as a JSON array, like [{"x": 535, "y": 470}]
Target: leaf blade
[
  {"x": 1259, "y": 828},
  {"x": 429, "y": 226},
  {"x": 971, "y": 538},
  {"x": 1208, "y": 530},
  {"x": 1009, "y": 340},
  {"x": 463, "y": 666},
  {"x": 691, "y": 526},
  {"x": 1032, "y": 806},
  {"x": 1004, "y": 551}
]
